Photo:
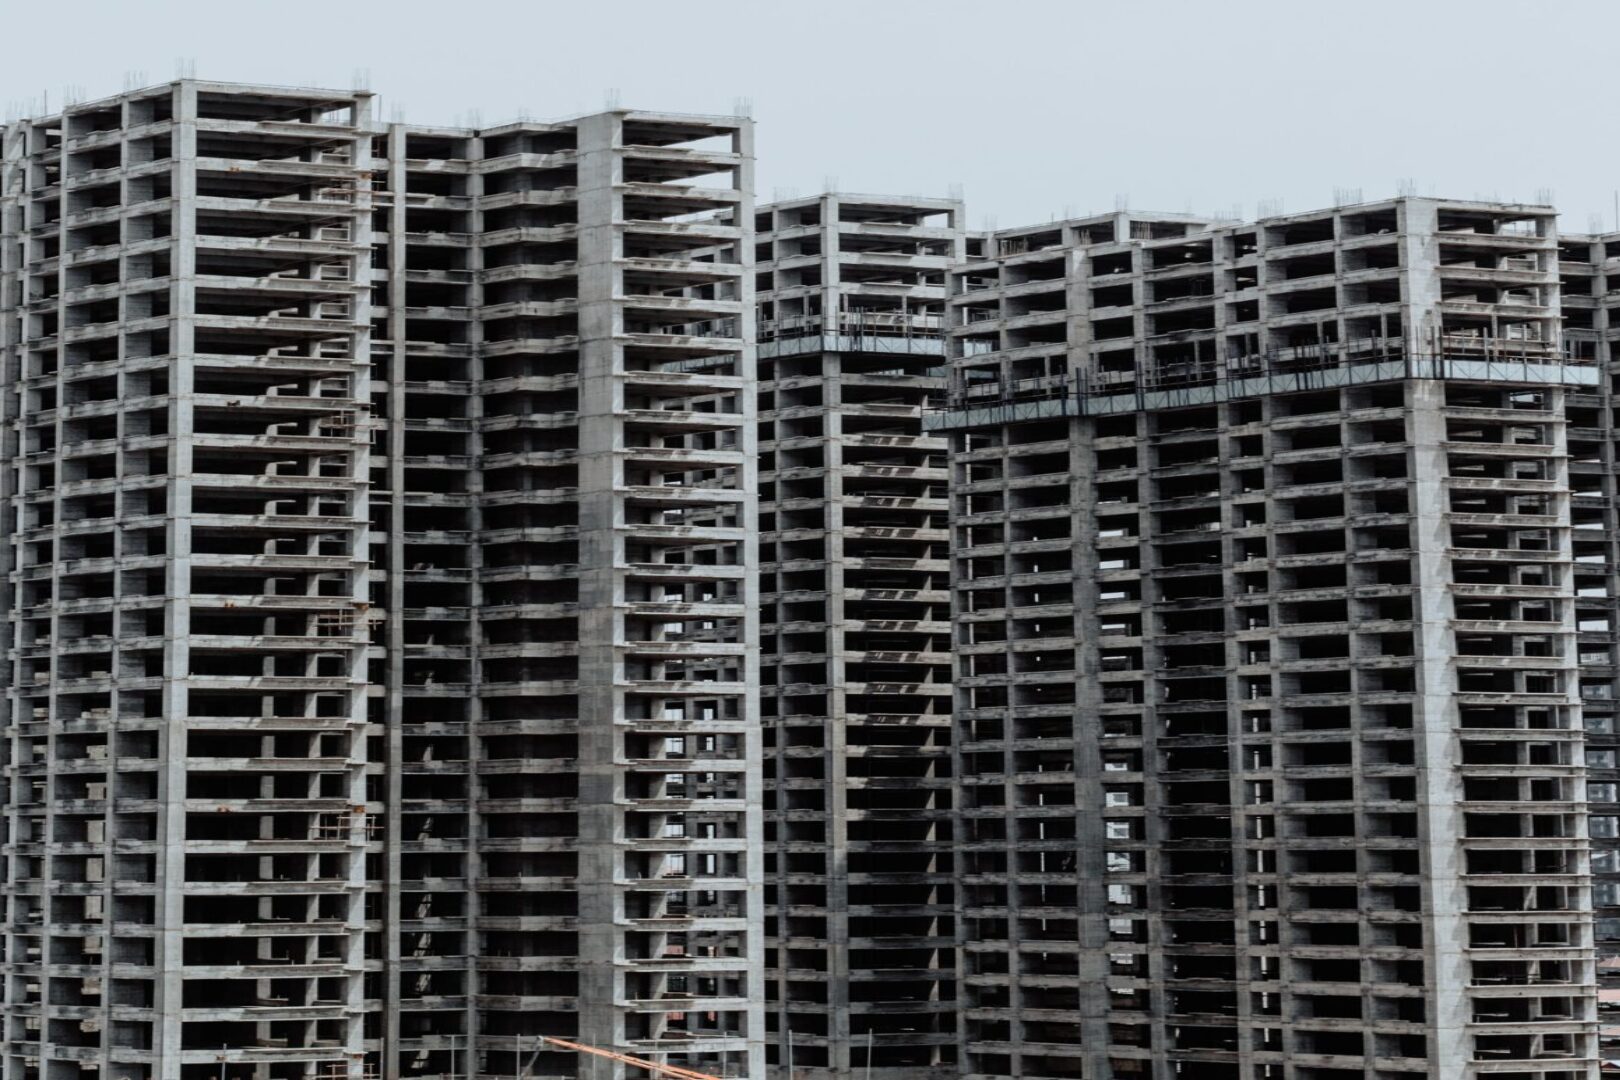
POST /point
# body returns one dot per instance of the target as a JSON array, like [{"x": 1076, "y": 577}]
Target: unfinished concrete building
[
  {"x": 1589, "y": 268},
  {"x": 387, "y": 602},
  {"x": 186, "y": 381},
  {"x": 856, "y": 635},
  {"x": 1268, "y": 730},
  {"x": 569, "y": 503},
  {"x": 381, "y": 614}
]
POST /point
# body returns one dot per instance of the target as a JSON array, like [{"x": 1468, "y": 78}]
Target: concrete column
[
  {"x": 394, "y": 603},
  {"x": 749, "y": 598},
  {"x": 177, "y": 587},
  {"x": 1090, "y": 838},
  {"x": 601, "y": 591},
  {"x": 1439, "y": 791}
]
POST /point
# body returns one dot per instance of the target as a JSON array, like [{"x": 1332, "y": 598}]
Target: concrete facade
[
  {"x": 1589, "y": 268},
  {"x": 187, "y": 385},
  {"x": 856, "y": 642},
  {"x": 381, "y": 591},
  {"x": 1269, "y": 750},
  {"x": 1131, "y": 647}
]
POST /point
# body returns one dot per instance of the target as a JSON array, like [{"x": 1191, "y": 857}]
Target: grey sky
[{"x": 1035, "y": 108}]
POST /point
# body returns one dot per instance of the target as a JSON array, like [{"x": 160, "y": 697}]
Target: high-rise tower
[
  {"x": 186, "y": 304},
  {"x": 857, "y": 643},
  {"x": 1268, "y": 740},
  {"x": 382, "y": 594}
]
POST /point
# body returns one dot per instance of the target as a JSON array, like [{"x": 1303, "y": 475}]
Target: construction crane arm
[{"x": 652, "y": 1066}]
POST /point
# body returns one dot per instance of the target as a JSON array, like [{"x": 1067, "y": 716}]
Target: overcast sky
[{"x": 1035, "y": 108}]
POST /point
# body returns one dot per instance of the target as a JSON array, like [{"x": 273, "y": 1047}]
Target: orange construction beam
[{"x": 667, "y": 1070}]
